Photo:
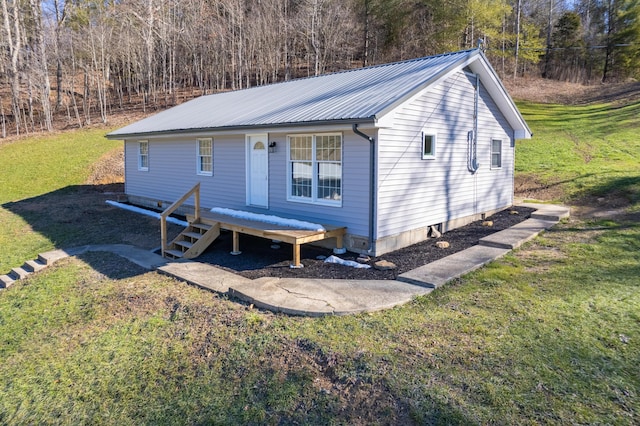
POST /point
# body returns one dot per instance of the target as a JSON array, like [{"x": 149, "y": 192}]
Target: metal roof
[{"x": 352, "y": 96}]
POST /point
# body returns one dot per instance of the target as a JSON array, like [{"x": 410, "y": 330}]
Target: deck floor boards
[{"x": 284, "y": 233}]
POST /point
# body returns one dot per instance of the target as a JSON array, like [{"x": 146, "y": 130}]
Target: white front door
[{"x": 257, "y": 170}]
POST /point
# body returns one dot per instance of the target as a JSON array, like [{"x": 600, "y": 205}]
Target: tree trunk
[
  {"x": 14, "y": 44},
  {"x": 517, "y": 50},
  {"x": 41, "y": 57}
]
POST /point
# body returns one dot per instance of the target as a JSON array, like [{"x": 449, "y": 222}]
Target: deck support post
[
  {"x": 340, "y": 249},
  {"x": 296, "y": 256},
  {"x": 236, "y": 243}
]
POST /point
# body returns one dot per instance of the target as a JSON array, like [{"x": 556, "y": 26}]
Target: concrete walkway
[{"x": 317, "y": 297}]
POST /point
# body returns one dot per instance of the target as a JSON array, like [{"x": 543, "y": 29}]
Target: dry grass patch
[{"x": 108, "y": 169}]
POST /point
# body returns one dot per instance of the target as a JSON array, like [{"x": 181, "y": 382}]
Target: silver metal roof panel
[{"x": 358, "y": 94}]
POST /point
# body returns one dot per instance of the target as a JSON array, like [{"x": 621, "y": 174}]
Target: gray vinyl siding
[
  {"x": 172, "y": 172},
  {"x": 354, "y": 211},
  {"x": 412, "y": 192}
]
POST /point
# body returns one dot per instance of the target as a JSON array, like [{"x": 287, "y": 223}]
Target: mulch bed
[{"x": 259, "y": 259}]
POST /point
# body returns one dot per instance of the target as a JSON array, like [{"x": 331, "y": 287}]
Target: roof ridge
[{"x": 350, "y": 70}]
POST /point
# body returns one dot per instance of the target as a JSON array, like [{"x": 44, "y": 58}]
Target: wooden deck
[{"x": 293, "y": 236}]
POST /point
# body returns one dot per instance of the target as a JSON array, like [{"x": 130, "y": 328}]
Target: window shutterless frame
[
  {"x": 428, "y": 145},
  {"x": 204, "y": 157},
  {"x": 496, "y": 153},
  {"x": 314, "y": 168},
  {"x": 143, "y": 156}
]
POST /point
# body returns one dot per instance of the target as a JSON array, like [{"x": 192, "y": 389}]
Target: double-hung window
[
  {"x": 143, "y": 156},
  {"x": 205, "y": 157},
  {"x": 496, "y": 153},
  {"x": 315, "y": 169}
]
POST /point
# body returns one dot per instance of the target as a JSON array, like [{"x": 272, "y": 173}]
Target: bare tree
[
  {"x": 40, "y": 64},
  {"x": 11, "y": 21}
]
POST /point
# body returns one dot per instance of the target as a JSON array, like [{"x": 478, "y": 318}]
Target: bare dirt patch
[
  {"x": 79, "y": 215},
  {"x": 529, "y": 186},
  {"x": 540, "y": 259},
  {"x": 545, "y": 91},
  {"x": 108, "y": 169}
]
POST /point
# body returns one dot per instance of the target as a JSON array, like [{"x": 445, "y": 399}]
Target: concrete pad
[
  {"x": 517, "y": 235},
  {"x": 552, "y": 212},
  {"x": 438, "y": 273},
  {"x": 316, "y": 297},
  {"x": 50, "y": 257},
  {"x": 141, "y": 257},
  {"x": 203, "y": 275}
]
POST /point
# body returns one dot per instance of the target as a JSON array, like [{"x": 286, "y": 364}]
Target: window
[
  {"x": 496, "y": 153},
  {"x": 205, "y": 157},
  {"x": 143, "y": 155},
  {"x": 428, "y": 146},
  {"x": 315, "y": 169}
]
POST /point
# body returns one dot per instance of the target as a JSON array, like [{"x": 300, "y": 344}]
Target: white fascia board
[
  {"x": 479, "y": 65},
  {"x": 186, "y": 134},
  {"x": 501, "y": 97}
]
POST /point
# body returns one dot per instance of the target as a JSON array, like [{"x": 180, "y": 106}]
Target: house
[{"x": 389, "y": 151}]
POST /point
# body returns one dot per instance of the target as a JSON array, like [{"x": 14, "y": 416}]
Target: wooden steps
[{"x": 193, "y": 241}]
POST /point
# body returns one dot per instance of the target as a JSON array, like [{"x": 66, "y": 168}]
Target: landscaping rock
[
  {"x": 514, "y": 212},
  {"x": 442, "y": 244},
  {"x": 488, "y": 223},
  {"x": 363, "y": 258},
  {"x": 384, "y": 265}
]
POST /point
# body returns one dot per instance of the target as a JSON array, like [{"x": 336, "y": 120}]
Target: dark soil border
[{"x": 259, "y": 259}]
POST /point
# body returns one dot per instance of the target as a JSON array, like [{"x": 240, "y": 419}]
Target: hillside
[{"x": 585, "y": 150}]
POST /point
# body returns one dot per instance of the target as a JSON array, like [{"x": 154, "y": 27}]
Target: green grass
[
  {"x": 41, "y": 164},
  {"x": 35, "y": 166},
  {"x": 588, "y": 150},
  {"x": 550, "y": 334},
  {"x": 539, "y": 337}
]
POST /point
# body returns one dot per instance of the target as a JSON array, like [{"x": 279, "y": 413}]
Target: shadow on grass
[
  {"x": 604, "y": 189},
  {"x": 78, "y": 215},
  {"x": 111, "y": 265},
  {"x": 627, "y": 187}
]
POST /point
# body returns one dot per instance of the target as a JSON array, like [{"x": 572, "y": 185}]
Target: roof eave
[
  {"x": 229, "y": 129},
  {"x": 511, "y": 111}
]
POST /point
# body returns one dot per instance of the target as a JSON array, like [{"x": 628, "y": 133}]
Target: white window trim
[
  {"x": 199, "y": 170},
  {"x": 434, "y": 135},
  {"x": 314, "y": 176},
  {"x": 140, "y": 166},
  {"x": 492, "y": 152}
]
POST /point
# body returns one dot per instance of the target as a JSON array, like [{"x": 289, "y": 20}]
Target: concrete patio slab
[
  {"x": 316, "y": 297},
  {"x": 203, "y": 275}
]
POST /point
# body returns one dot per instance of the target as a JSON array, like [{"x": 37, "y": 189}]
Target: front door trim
[{"x": 257, "y": 169}]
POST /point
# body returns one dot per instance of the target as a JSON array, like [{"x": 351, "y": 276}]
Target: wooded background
[{"x": 66, "y": 63}]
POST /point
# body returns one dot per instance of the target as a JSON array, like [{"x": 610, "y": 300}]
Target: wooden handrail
[{"x": 195, "y": 191}]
